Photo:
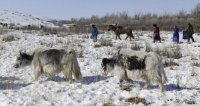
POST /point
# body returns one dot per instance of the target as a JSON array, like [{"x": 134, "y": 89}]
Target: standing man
[
  {"x": 156, "y": 36},
  {"x": 176, "y": 34},
  {"x": 94, "y": 32},
  {"x": 190, "y": 32}
]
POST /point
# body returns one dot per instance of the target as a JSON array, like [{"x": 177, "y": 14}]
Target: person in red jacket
[{"x": 156, "y": 36}]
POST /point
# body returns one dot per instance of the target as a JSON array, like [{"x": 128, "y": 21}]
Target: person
[
  {"x": 176, "y": 34},
  {"x": 94, "y": 32},
  {"x": 190, "y": 32},
  {"x": 156, "y": 36}
]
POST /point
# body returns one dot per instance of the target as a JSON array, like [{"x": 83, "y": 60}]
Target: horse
[
  {"x": 121, "y": 30},
  {"x": 50, "y": 62},
  {"x": 130, "y": 64}
]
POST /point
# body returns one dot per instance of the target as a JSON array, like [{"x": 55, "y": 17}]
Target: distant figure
[
  {"x": 190, "y": 32},
  {"x": 156, "y": 36},
  {"x": 176, "y": 34},
  {"x": 94, "y": 32}
]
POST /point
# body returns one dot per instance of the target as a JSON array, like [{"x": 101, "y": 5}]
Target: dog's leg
[
  {"x": 123, "y": 76},
  {"x": 68, "y": 74},
  {"x": 146, "y": 85},
  {"x": 161, "y": 87},
  {"x": 38, "y": 72}
]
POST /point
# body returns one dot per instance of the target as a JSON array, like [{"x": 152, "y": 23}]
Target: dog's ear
[{"x": 20, "y": 52}]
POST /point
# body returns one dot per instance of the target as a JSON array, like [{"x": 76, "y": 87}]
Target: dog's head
[
  {"x": 108, "y": 64},
  {"x": 23, "y": 60}
]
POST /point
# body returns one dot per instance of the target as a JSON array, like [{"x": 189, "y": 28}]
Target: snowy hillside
[
  {"x": 17, "y": 87},
  {"x": 17, "y": 18}
]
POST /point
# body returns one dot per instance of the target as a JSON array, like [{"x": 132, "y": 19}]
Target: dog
[
  {"x": 50, "y": 62},
  {"x": 130, "y": 64}
]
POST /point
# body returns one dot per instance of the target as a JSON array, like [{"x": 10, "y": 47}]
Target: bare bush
[
  {"x": 3, "y": 31},
  {"x": 135, "y": 46},
  {"x": 136, "y": 100},
  {"x": 139, "y": 21},
  {"x": 170, "y": 52},
  {"x": 105, "y": 42},
  {"x": 170, "y": 62},
  {"x": 108, "y": 104},
  {"x": 196, "y": 64},
  {"x": 126, "y": 87},
  {"x": 8, "y": 38},
  {"x": 189, "y": 102}
]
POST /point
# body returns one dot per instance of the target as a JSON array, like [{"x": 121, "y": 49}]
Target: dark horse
[{"x": 121, "y": 30}]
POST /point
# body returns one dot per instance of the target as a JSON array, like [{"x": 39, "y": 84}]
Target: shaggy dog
[
  {"x": 131, "y": 64},
  {"x": 50, "y": 62}
]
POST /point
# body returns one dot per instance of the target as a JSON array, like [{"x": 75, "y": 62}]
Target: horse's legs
[
  {"x": 131, "y": 35},
  {"x": 118, "y": 35},
  {"x": 127, "y": 36}
]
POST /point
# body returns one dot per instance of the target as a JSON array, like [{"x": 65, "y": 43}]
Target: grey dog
[{"x": 50, "y": 62}]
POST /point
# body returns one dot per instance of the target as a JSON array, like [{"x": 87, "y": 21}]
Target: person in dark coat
[
  {"x": 176, "y": 34},
  {"x": 190, "y": 32},
  {"x": 94, "y": 32},
  {"x": 156, "y": 36}
]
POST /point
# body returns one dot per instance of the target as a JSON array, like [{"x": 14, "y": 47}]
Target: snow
[
  {"x": 17, "y": 18},
  {"x": 18, "y": 88}
]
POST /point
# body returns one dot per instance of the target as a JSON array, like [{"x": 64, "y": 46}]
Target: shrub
[
  {"x": 196, "y": 64},
  {"x": 135, "y": 46},
  {"x": 3, "y": 31},
  {"x": 170, "y": 52},
  {"x": 107, "y": 104},
  {"x": 136, "y": 100},
  {"x": 105, "y": 42},
  {"x": 170, "y": 62},
  {"x": 8, "y": 38}
]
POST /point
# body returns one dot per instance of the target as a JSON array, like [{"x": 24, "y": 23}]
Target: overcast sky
[{"x": 67, "y": 9}]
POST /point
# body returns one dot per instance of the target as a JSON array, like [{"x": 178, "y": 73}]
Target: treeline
[{"x": 140, "y": 21}]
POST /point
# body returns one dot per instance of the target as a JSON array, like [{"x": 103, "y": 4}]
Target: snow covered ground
[{"x": 17, "y": 87}]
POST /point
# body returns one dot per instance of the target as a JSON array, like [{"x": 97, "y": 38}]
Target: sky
[{"x": 67, "y": 9}]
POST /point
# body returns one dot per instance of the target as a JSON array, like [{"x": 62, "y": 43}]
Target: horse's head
[
  {"x": 111, "y": 27},
  {"x": 23, "y": 60}
]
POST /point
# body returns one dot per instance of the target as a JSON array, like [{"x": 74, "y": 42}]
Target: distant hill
[{"x": 17, "y": 18}]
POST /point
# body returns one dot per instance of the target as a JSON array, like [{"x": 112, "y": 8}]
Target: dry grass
[
  {"x": 190, "y": 102},
  {"x": 126, "y": 87},
  {"x": 196, "y": 64},
  {"x": 170, "y": 52},
  {"x": 8, "y": 38},
  {"x": 3, "y": 31},
  {"x": 170, "y": 62},
  {"x": 105, "y": 42},
  {"x": 135, "y": 46},
  {"x": 136, "y": 100},
  {"x": 108, "y": 104}
]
